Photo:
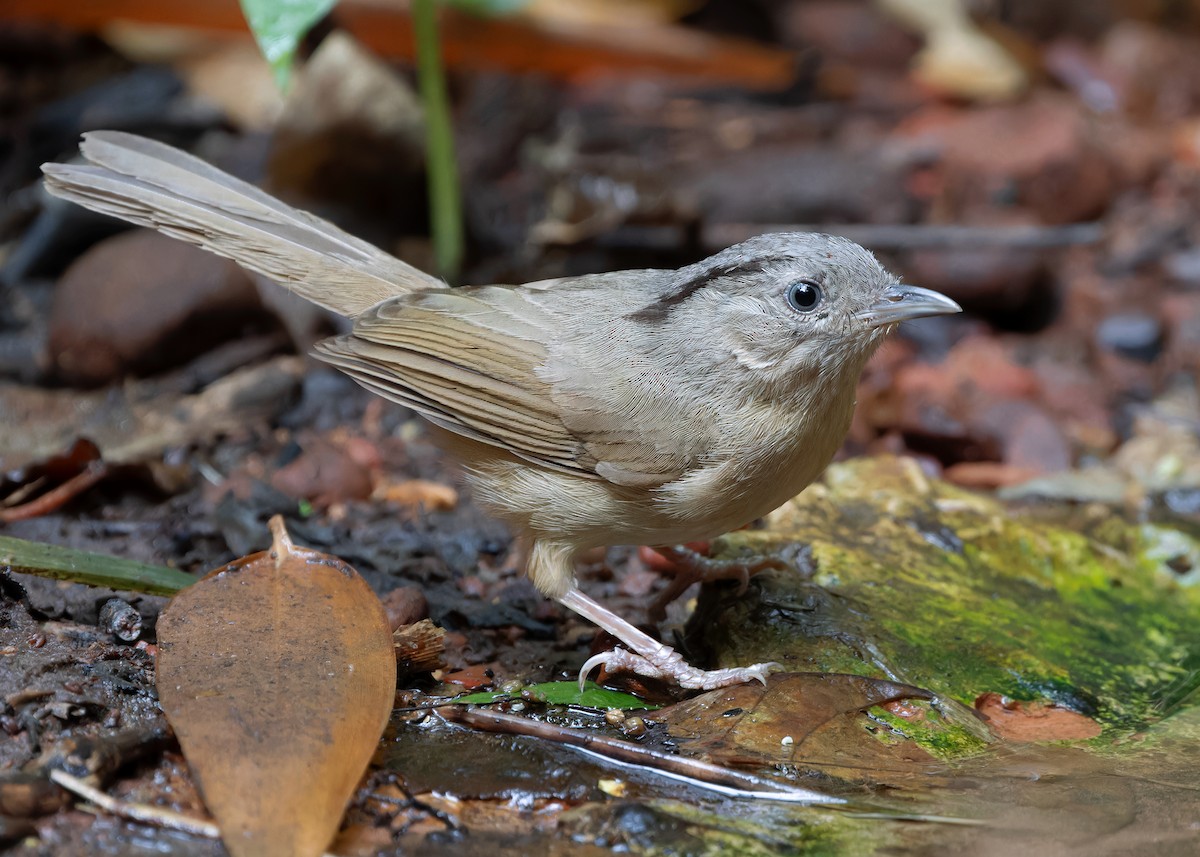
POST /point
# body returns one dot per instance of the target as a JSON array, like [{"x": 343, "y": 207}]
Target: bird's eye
[{"x": 804, "y": 296}]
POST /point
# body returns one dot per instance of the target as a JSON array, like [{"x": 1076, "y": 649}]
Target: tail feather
[{"x": 155, "y": 185}]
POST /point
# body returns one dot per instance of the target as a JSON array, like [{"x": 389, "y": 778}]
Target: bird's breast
[{"x": 770, "y": 457}]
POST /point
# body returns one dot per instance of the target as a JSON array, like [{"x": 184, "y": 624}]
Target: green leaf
[
  {"x": 22, "y": 557},
  {"x": 562, "y": 693},
  {"x": 278, "y": 27}
]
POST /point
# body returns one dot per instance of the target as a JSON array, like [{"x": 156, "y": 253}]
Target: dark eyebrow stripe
[{"x": 661, "y": 308}]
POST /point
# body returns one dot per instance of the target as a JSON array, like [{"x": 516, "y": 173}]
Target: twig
[
  {"x": 141, "y": 812},
  {"x": 918, "y": 236},
  {"x": 53, "y": 499},
  {"x": 703, "y": 774},
  {"x": 135, "y": 811}
]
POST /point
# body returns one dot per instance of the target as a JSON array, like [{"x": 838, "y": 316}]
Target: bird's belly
[{"x": 708, "y": 501}]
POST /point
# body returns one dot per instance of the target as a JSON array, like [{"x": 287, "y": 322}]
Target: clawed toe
[
  {"x": 648, "y": 657},
  {"x": 670, "y": 665}
]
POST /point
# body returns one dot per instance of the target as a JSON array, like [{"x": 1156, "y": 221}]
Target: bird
[{"x": 645, "y": 407}]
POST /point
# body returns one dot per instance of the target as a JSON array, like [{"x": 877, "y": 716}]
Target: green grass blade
[{"x": 24, "y": 557}]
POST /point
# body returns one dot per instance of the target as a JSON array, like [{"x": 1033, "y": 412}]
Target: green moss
[
  {"x": 758, "y": 829},
  {"x": 928, "y": 584},
  {"x": 942, "y": 737}
]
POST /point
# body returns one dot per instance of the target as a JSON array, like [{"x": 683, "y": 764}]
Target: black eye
[{"x": 804, "y": 296}]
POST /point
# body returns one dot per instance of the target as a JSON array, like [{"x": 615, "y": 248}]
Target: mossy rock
[{"x": 902, "y": 576}]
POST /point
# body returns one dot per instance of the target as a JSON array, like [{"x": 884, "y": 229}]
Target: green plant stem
[{"x": 444, "y": 205}]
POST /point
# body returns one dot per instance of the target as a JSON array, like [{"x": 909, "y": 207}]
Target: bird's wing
[
  {"x": 473, "y": 362},
  {"x": 155, "y": 185}
]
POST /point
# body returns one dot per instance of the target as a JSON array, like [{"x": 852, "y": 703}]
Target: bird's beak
[{"x": 901, "y": 302}]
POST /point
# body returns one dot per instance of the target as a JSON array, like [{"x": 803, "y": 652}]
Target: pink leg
[{"x": 648, "y": 656}]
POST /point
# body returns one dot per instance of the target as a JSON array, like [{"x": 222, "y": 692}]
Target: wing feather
[
  {"x": 155, "y": 185},
  {"x": 474, "y": 361},
  {"x": 464, "y": 360}
]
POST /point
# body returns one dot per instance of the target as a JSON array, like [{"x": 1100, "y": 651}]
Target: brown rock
[
  {"x": 840, "y": 184},
  {"x": 140, "y": 302},
  {"x": 1040, "y": 720},
  {"x": 1039, "y": 154},
  {"x": 1183, "y": 337},
  {"x": 987, "y": 475},
  {"x": 854, "y": 32},
  {"x": 1031, "y": 440},
  {"x": 1157, "y": 72},
  {"x": 405, "y": 605},
  {"x": 324, "y": 475},
  {"x": 980, "y": 368}
]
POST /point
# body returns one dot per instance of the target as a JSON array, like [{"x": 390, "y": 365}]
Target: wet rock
[
  {"x": 140, "y": 302},
  {"x": 1135, "y": 335}
]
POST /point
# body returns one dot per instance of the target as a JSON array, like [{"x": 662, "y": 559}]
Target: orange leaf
[{"x": 277, "y": 674}]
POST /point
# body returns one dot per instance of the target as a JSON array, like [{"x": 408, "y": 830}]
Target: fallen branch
[
  {"x": 140, "y": 812},
  {"x": 157, "y": 816},
  {"x": 702, "y": 774}
]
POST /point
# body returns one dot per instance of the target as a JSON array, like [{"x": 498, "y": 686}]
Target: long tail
[{"x": 155, "y": 185}]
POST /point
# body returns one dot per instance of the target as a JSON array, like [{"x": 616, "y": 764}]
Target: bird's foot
[
  {"x": 690, "y": 566},
  {"x": 647, "y": 656},
  {"x": 668, "y": 664}
]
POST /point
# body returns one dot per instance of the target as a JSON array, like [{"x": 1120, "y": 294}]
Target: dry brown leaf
[
  {"x": 809, "y": 719},
  {"x": 418, "y": 493},
  {"x": 277, "y": 673},
  {"x": 959, "y": 58},
  {"x": 137, "y": 421},
  {"x": 607, "y": 13}
]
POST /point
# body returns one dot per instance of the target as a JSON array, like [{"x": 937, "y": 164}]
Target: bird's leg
[
  {"x": 647, "y": 656},
  {"x": 690, "y": 566}
]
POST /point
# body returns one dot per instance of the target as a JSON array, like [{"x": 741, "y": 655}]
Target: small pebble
[
  {"x": 1184, "y": 265},
  {"x": 634, "y": 727},
  {"x": 120, "y": 619},
  {"x": 1131, "y": 334}
]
